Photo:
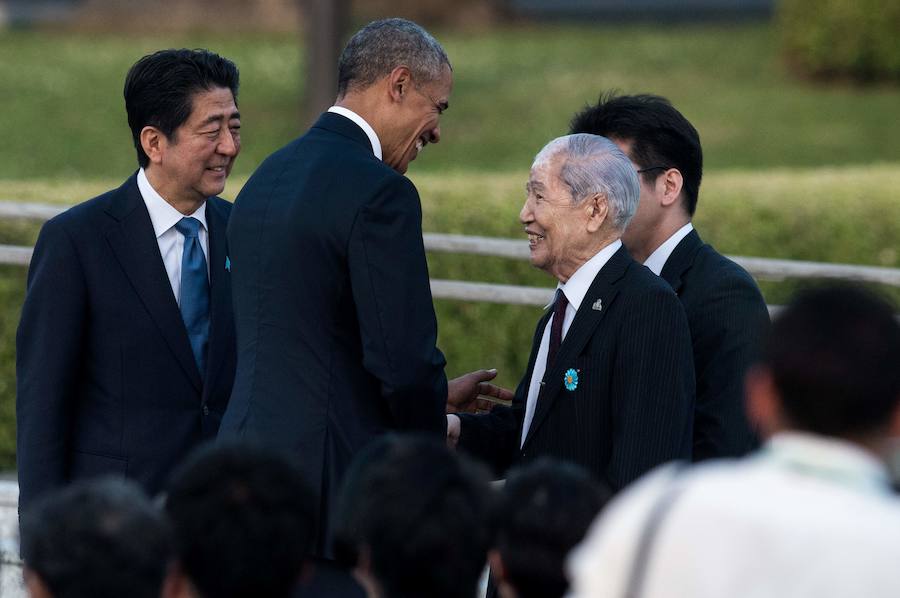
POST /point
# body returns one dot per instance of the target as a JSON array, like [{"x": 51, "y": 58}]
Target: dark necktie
[
  {"x": 559, "y": 314},
  {"x": 194, "y": 291}
]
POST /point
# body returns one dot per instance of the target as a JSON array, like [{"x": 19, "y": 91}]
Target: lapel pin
[
  {"x": 598, "y": 305},
  {"x": 570, "y": 379},
  {"x": 227, "y": 263}
]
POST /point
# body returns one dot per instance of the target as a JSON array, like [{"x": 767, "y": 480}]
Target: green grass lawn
[{"x": 515, "y": 88}]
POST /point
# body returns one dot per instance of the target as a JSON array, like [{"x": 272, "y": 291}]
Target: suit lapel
[
  {"x": 580, "y": 331},
  {"x": 681, "y": 260},
  {"x": 221, "y": 328},
  {"x": 133, "y": 242}
]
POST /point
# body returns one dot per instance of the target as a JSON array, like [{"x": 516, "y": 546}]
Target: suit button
[{"x": 205, "y": 409}]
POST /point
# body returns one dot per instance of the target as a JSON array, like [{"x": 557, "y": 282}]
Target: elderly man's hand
[{"x": 471, "y": 393}]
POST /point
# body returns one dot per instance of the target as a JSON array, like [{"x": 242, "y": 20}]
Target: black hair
[
  {"x": 160, "y": 89},
  {"x": 244, "y": 521},
  {"x": 99, "y": 538},
  {"x": 660, "y": 136},
  {"x": 544, "y": 510},
  {"x": 420, "y": 512},
  {"x": 834, "y": 354}
]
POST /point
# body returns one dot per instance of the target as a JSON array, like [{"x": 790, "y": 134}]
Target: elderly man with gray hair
[
  {"x": 335, "y": 325},
  {"x": 610, "y": 382}
]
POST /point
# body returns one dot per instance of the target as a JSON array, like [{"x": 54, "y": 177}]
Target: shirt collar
[
  {"x": 833, "y": 459},
  {"x": 658, "y": 258},
  {"x": 361, "y": 122},
  {"x": 578, "y": 284},
  {"x": 162, "y": 215}
]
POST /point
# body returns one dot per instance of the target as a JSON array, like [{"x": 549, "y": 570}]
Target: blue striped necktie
[{"x": 194, "y": 303}]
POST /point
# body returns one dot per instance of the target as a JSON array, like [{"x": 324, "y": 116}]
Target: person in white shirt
[
  {"x": 812, "y": 514},
  {"x": 726, "y": 312}
]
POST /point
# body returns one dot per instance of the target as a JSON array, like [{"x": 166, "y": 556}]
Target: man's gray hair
[
  {"x": 381, "y": 46},
  {"x": 594, "y": 164}
]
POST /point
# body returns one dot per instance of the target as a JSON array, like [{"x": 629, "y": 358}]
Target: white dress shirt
[
  {"x": 171, "y": 242},
  {"x": 658, "y": 258},
  {"x": 361, "y": 122},
  {"x": 806, "y": 517},
  {"x": 574, "y": 289}
]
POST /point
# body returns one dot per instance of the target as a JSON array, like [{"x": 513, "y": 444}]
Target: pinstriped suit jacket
[{"x": 632, "y": 408}]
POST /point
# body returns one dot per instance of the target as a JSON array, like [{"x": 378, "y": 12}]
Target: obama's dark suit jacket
[{"x": 336, "y": 329}]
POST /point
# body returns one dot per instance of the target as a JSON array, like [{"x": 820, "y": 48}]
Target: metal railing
[{"x": 760, "y": 268}]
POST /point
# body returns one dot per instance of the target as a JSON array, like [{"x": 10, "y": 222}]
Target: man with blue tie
[{"x": 125, "y": 349}]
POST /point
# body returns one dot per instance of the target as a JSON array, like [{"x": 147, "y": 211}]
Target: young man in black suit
[
  {"x": 125, "y": 349},
  {"x": 610, "y": 381},
  {"x": 333, "y": 311},
  {"x": 726, "y": 312}
]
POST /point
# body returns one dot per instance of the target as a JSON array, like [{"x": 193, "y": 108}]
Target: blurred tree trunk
[{"x": 326, "y": 22}]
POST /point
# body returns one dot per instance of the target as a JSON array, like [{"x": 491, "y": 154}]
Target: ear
[
  {"x": 672, "y": 182},
  {"x": 597, "y": 208},
  {"x": 362, "y": 573},
  {"x": 399, "y": 83},
  {"x": 498, "y": 571},
  {"x": 176, "y": 584},
  {"x": 35, "y": 585},
  {"x": 154, "y": 142},
  {"x": 763, "y": 401},
  {"x": 894, "y": 430}
]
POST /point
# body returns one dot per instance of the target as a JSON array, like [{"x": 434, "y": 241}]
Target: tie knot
[{"x": 189, "y": 227}]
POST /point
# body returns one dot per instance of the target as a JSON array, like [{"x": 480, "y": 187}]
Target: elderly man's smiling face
[{"x": 560, "y": 235}]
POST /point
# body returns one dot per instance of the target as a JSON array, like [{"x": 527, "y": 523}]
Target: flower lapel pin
[{"x": 570, "y": 379}]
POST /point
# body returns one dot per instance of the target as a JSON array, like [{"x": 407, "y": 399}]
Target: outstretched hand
[{"x": 472, "y": 392}]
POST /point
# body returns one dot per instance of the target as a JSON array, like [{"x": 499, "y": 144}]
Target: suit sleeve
[
  {"x": 48, "y": 345},
  {"x": 652, "y": 387},
  {"x": 392, "y": 293},
  {"x": 727, "y": 331},
  {"x": 494, "y": 437}
]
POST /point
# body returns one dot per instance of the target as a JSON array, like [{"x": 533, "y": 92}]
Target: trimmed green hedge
[
  {"x": 849, "y": 215},
  {"x": 856, "y": 39}
]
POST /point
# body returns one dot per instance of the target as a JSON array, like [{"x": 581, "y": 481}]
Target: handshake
[{"x": 472, "y": 393}]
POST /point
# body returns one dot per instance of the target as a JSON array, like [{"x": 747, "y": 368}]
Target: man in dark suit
[
  {"x": 335, "y": 325},
  {"x": 610, "y": 382},
  {"x": 125, "y": 349},
  {"x": 726, "y": 312}
]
